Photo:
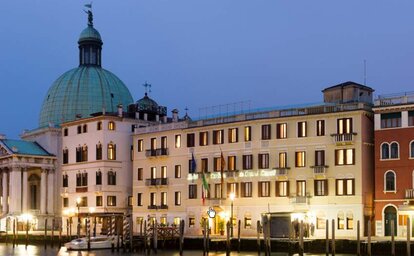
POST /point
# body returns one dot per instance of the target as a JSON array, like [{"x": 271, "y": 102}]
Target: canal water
[{"x": 38, "y": 250}]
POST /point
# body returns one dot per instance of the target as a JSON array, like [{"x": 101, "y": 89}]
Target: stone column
[
  {"x": 25, "y": 194},
  {"x": 15, "y": 191},
  {"x": 43, "y": 198},
  {"x": 5, "y": 192},
  {"x": 50, "y": 192}
]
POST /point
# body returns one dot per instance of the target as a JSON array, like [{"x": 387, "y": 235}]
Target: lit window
[
  {"x": 344, "y": 126},
  {"x": 246, "y": 189},
  {"x": 153, "y": 199},
  {"x": 140, "y": 145},
  {"x": 111, "y": 151},
  {"x": 263, "y": 161},
  {"x": 281, "y": 131},
  {"x": 283, "y": 160},
  {"x": 231, "y": 166},
  {"x": 192, "y": 191},
  {"x": 111, "y": 201},
  {"x": 218, "y": 136},
  {"x": 320, "y": 127},
  {"x": 247, "y": 133},
  {"x": 301, "y": 188},
  {"x": 177, "y": 198},
  {"x": 140, "y": 174},
  {"x": 345, "y": 187},
  {"x": 282, "y": 188},
  {"x": 302, "y": 132},
  {"x": 247, "y": 222},
  {"x": 111, "y": 126},
  {"x": 191, "y": 222},
  {"x": 217, "y": 190},
  {"x": 341, "y": 220},
  {"x": 264, "y": 188},
  {"x": 321, "y": 187},
  {"x": 233, "y": 135},
  {"x": 178, "y": 141},
  {"x": 344, "y": 156},
  {"x": 177, "y": 172},
  {"x": 349, "y": 220},
  {"x": 65, "y": 202},
  {"x": 232, "y": 187},
  {"x": 203, "y": 138},
  {"x": 204, "y": 164},
  {"x": 163, "y": 198},
  {"x": 300, "y": 159}
]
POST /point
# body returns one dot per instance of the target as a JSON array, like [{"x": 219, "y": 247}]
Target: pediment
[{"x": 4, "y": 151}]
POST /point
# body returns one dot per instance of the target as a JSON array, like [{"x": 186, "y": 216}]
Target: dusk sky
[{"x": 198, "y": 54}]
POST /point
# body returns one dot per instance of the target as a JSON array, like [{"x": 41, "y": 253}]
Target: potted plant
[{"x": 221, "y": 225}]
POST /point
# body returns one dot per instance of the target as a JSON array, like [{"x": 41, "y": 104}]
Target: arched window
[
  {"x": 111, "y": 178},
  {"x": 98, "y": 178},
  {"x": 394, "y": 150},
  {"x": 385, "y": 151},
  {"x": 84, "y": 153},
  {"x": 390, "y": 181},
  {"x": 349, "y": 220},
  {"x": 111, "y": 151},
  {"x": 412, "y": 149},
  {"x": 65, "y": 181},
  {"x": 99, "y": 151},
  {"x": 341, "y": 220},
  {"x": 65, "y": 156}
]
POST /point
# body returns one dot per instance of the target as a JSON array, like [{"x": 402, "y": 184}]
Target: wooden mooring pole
[
  {"x": 392, "y": 238},
  {"x": 408, "y": 236},
  {"x": 258, "y": 237},
  {"x": 327, "y": 237},
  {"x": 358, "y": 239}
]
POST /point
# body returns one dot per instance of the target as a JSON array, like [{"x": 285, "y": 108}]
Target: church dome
[
  {"x": 147, "y": 104},
  {"x": 84, "y": 90}
]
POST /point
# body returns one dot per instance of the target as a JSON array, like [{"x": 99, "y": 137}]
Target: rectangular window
[
  {"x": 263, "y": 161},
  {"x": 300, "y": 159},
  {"x": 281, "y": 131},
  {"x": 247, "y": 133},
  {"x": 140, "y": 174},
  {"x": 65, "y": 202},
  {"x": 65, "y": 181},
  {"x": 231, "y": 163},
  {"x": 264, "y": 188},
  {"x": 266, "y": 132},
  {"x": 232, "y": 188},
  {"x": 190, "y": 140},
  {"x": 153, "y": 173},
  {"x": 140, "y": 145},
  {"x": 111, "y": 178},
  {"x": 204, "y": 164},
  {"x": 153, "y": 143},
  {"x": 98, "y": 178},
  {"x": 111, "y": 151},
  {"x": 111, "y": 200},
  {"x": 83, "y": 201},
  {"x": 163, "y": 198},
  {"x": 410, "y": 118},
  {"x": 247, "y": 222},
  {"x": 82, "y": 179},
  {"x": 300, "y": 188},
  {"x": 99, "y": 151},
  {"x": 218, "y": 136},
  {"x": 177, "y": 198},
  {"x": 177, "y": 171},
  {"x": 192, "y": 191},
  {"x": 283, "y": 160},
  {"x": 99, "y": 201},
  {"x": 139, "y": 199},
  {"x": 345, "y": 156},
  {"x": 391, "y": 120},
  {"x": 321, "y": 187},
  {"x": 163, "y": 172},
  {"x": 203, "y": 138},
  {"x": 247, "y": 162},
  {"x": 65, "y": 132},
  {"x": 320, "y": 158},
  {"x": 164, "y": 142},
  {"x": 217, "y": 190},
  {"x": 302, "y": 129},
  {"x": 246, "y": 189},
  {"x": 345, "y": 187},
  {"x": 233, "y": 135},
  {"x": 344, "y": 125},
  {"x": 282, "y": 188},
  {"x": 178, "y": 141},
  {"x": 320, "y": 128},
  {"x": 191, "y": 222},
  {"x": 153, "y": 199},
  {"x": 65, "y": 156},
  {"x": 218, "y": 162}
]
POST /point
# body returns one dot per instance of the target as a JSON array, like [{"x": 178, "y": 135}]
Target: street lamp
[
  {"x": 232, "y": 196},
  {"x": 78, "y": 202},
  {"x": 91, "y": 211}
]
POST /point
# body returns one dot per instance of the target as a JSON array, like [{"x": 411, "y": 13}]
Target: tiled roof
[{"x": 25, "y": 147}]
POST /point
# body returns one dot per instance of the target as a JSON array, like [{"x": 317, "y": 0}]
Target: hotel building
[{"x": 309, "y": 162}]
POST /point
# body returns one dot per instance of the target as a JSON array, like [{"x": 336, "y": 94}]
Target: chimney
[
  {"x": 120, "y": 110},
  {"x": 175, "y": 115}
]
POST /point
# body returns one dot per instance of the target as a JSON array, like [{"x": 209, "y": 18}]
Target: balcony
[
  {"x": 156, "y": 152},
  {"x": 299, "y": 199},
  {"x": 409, "y": 193},
  {"x": 319, "y": 169},
  {"x": 152, "y": 207},
  {"x": 344, "y": 138},
  {"x": 158, "y": 207},
  {"x": 163, "y": 207},
  {"x": 156, "y": 182},
  {"x": 81, "y": 189},
  {"x": 281, "y": 171},
  {"x": 231, "y": 173}
]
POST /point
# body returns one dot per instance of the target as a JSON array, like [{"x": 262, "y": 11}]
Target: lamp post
[
  {"x": 78, "y": 202},
  {"x": 91, "y": 211},
  {"x": 232, "y": 196}
]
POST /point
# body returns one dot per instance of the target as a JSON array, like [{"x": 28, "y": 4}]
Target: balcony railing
[
  {"x": 409, "y": 193},
  {"x": 319, "y": 169},
  {"x": 299, "y": 199},
  {"x": 156, "y": 152},
  {"x": 231, "y": 173},
  {"x": 152, "y": 207},
  {"x": 344, "y": 137},
  {"x": 158, "y": 207},
  {"x": 156, "y": 182},
  {"x": 282, "y": 171},
  {"x": 163, "y": 207}
]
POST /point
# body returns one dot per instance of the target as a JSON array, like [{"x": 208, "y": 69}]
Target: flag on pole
[
  {"x": 193, "y": 166},
  {"x": 222, "y": 164},
  {"x": 204, "y": 187}
]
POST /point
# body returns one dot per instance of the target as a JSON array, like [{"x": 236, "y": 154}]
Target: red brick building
[{"x": 394, "y": 163}]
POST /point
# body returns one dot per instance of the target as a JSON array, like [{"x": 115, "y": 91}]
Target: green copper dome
[
  {"x": 81, "y": 92},
  {"x": 87, "y": 89}
]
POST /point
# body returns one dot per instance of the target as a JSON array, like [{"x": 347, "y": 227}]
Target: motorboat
[{"x": 97, "y": 242}]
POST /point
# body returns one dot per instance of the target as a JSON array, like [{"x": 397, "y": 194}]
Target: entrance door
[{"x": 390, "y": 215}]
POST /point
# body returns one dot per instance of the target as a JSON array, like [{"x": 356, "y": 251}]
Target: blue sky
[{"x": 198, "y": 54}]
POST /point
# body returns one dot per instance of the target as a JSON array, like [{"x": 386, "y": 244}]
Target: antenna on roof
[{"x": 365, "y": 72}]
